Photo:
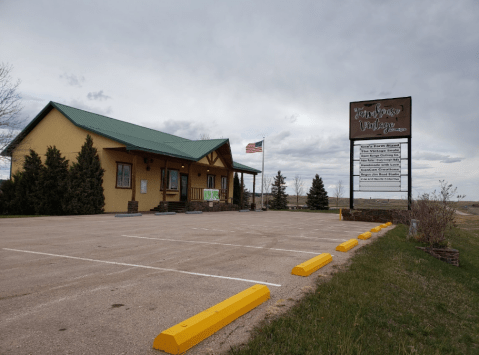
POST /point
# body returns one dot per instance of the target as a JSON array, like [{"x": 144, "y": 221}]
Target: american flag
[{"x": 254, "y": 147}]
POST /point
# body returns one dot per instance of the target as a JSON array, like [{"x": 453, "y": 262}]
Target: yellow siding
[
  {"x": 55, "y": 129},
  {"x": 218, "y": 162}
]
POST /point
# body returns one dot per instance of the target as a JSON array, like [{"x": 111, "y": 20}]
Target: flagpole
[{"x": 262, "y": 177}]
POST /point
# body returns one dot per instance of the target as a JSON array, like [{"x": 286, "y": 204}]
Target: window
[
  {"x": 224, "y": 182},
  {"x": 123, "y": 177},
  {"x": 172, "y": 179},
  {"x": 210, "y": 182}
]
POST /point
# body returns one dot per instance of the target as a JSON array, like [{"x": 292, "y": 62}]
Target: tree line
[
  {"x": 317, "y": 197},
  {"x": 53, "y": 188}
]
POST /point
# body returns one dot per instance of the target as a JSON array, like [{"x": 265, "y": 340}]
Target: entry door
[{"x": 184, "y": 188}]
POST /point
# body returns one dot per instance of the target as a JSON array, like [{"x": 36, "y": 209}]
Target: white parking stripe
[
  {"x": 213, "y": 243},
  {"x": 144, "y": 267}
]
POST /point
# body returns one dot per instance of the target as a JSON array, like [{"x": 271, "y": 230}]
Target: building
[{"x": 144, "y": 168}]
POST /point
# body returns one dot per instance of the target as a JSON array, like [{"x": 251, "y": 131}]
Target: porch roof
[{"x": 244, "y": 169}]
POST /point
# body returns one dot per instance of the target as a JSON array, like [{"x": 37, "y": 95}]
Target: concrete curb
[
  {"x": 128, "y": 215},
  {"x": 311, "y": 265},
  {"x": 186, "y": 334},
  {"x": 164, "y": 213},
  {"x": 193, "y": 212},
  {"x": 258, "y": 210},
  {"x": 365, "y": 235},
  {"x": 347, "y": 245},
  {"x": 244, "y": 210}
]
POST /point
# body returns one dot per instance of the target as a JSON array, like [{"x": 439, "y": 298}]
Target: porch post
[
  {"x": 133, "y": 179},
  {"x": 254, "y": 183},
  {"x": 164, "y": 180},
  {"x": 241, "y": 192},
  {"x": 189, "y": 183},
  {"x": 133, "y": 204}
]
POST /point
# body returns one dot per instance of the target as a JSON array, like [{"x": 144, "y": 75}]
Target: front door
[{"x": 184, "y": 188}]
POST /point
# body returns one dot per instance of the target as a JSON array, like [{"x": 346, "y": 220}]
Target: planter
[{"x": 448, "y": 255}]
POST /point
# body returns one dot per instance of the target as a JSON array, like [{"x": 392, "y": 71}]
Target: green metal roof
[
  {"x": 133, "y": 136},
  {"x": 238, "y": 166}
]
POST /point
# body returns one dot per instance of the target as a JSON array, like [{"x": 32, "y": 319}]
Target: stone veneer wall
[
  {"x": 372, "y": 215},
  {"x": 205, "y": 206},
  {"x": 132, "y": 206},
  {"x": 163, "y": 206},
  {"x": 450, "y": 256}
]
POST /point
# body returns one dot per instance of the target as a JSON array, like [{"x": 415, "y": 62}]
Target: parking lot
[{"x": 106, "y": 285}]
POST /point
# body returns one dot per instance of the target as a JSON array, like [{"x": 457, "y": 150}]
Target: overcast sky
[{"x": 286, "y": 70}]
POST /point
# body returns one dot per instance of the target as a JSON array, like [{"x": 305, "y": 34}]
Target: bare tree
[
  {"x": 205, "y": 137},
  {"x": 298, "y": 187},
  {"x": 267, "y": 182},
  {"x": 338, "y": 191},
  {"x": 10, "y": 106}
]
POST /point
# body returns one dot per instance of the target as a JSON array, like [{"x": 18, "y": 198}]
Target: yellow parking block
[
  {"x": 389, "y": 224},
  {"x": 376, "y": 229},
  {"x": 384, "y": 225},
  {"x": 190, "y": 332},
  {"x": 365, "y": 235},
  {"x": 347, "y": 245},
  {"x": 310, "y": 266}
]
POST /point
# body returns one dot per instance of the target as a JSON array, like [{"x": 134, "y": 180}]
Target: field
[
  {"x": 464, "y": 206},
  {"x": 390, "y": 299}
]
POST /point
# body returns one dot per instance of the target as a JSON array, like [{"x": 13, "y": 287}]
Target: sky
[{"x": 244, "y": 70}]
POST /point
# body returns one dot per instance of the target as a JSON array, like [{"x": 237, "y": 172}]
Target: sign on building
[{"x": 211, "y": 195}]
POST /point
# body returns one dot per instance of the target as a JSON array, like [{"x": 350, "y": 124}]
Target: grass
[{"x": 390, "y": 299}]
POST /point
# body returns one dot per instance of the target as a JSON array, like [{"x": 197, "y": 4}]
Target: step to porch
[{"x": 173, "y": 206}]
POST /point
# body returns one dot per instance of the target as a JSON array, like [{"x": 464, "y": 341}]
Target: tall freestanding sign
[{"x": 380, "y": 163}]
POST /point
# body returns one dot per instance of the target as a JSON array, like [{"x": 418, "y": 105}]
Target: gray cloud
[
  {"x": 187, "y": 129},
  {"x": 98, "y": 96},
  {"x": 283, "y": 70},
  {"x": 436, "y": 157},
  {"x": 73, "y": 80},
  {"x": 107, "y": 111}
]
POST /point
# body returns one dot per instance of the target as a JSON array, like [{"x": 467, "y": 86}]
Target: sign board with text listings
[
  {"x": 380, "y": 167},
  {"x": 380, "y": 164},
  {"x": 211, "y": 195}
]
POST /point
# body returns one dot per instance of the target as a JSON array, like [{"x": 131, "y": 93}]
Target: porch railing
[
  {"x": 223, "y": 194},
  {"x": 196, "y": 194}
]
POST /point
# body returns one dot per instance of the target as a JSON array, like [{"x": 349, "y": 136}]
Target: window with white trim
[
  {"x": 123, "y": 176},
  {"x": 210, "y": 182},
  {"x": 171, "y": 179}
]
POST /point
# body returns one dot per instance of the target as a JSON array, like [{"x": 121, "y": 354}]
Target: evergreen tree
[
  {"x": 10, "y": 199},
  {"x": 236, "y": 190},
  {"x": 246, "y": 198},
  {"x": 317, "y": 196},
  {"x": 53, "y": 183},
  {"x": 85, "y": 190},
  {"x": 28, "y": 191},
  {"x": 279, "y": 199}
]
